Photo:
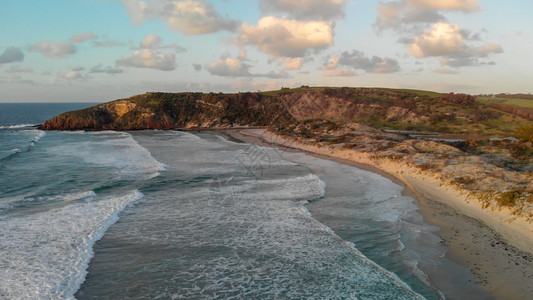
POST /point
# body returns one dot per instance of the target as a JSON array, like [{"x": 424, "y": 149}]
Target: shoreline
[{"x": 497, "y": 255}]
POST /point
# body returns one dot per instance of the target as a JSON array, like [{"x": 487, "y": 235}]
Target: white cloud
[
  {"x": 409, "y": 15},
  {"x": 462, "y": 5},
  {"x": 306, "y": 9},
  {"x": 53, "y": 49},
  {"x": 442, "y": 39},
  {"x": 273, "y": 75},
  {"x": 358, "y": 61},
  {"x": 72, "y": 75},
  {"x": 446, "y": 71},
  {"x": 113, "y": 43},
  {"x": 332, "y": 63},
  {"x": 107, "y": 70},
  {"x": 488, "y": 49},
  {"x": 176, "y": 48},
  {"x": 229, "y": 67},
  {"x": 339, "y": 73},
  {"x": 293, "y": 63},
  {"x": 191, "y": 17},
  {"x": 448, "y": 42},
  {"x": 151, "y": 41},
  {"x": 146, "y": 58},
  {"x": 236, "y": 68},
  {"x": 11, "y": 54},
  {"x": 82, "y": 37},
  {"x": 19, "y": 69},
  {"x": 282, "y": 38},
  {"x": 16, "y": 79},
  {"x": 247, "y": 84}
]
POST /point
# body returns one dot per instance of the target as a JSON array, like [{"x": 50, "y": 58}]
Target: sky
[{"x": 101, "y": 50}]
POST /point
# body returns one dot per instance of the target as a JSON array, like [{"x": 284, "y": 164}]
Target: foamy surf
[
  {"x": 307, "y": 187},
  {"x": 116, "y": 150},
  {"x": 19, "y": 141},
  {"x": 17, "y": 126},
  {"x": 15, "y": 202},
  {"x": 230, "y": 236},
  {"x": 46, "y": 256}
]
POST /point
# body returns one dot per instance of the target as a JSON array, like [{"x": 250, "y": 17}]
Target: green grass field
[
  {"x": 292, "y": 90},
  {"x": 418, "y": 92},
  {"x": 315, "y": 88},
  {"x": 524, "y": 103}
]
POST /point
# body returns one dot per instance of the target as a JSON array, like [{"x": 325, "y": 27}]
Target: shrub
[
  {"x": 509, "y": 198},
  {"x": 521, "y": 150},
  {"x": 525, "y": 133}
]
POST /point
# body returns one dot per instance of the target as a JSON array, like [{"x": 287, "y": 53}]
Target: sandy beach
[{"x": 495, "y": 246}]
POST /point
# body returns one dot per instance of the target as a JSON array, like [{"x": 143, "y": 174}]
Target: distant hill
[
  {"x": 378, "y": 107},
  {"x": 517, "y": 104}
]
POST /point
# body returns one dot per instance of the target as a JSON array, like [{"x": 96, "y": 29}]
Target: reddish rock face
[
  {"x": 281, "y": 110},
  {"x": 171, "y": 111}
]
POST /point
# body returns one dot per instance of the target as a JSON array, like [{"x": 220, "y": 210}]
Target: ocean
[{"x": 196, "y": 215}]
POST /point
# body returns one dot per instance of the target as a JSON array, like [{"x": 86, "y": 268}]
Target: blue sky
[{"x": 101, "y": 50}]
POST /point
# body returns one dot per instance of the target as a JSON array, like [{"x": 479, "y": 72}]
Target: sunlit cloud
[
  {"x": 82, "y": 37},
  {"x": 108, "y": 70},
  {"x": 306, "y": 9},
  {"x": 411, "y": 15},
  {"x": 357, "y": 60},
  {"x": 287, "y": 40},
  {"x": 339, "y": 73},
  {"x": 448, "y": 42},
  {"x": 147, "y": 58},
  {"x": 191, "y": 17},
  {"x": 52, "y": 49},
  {"x": 113, "y": 43},
  {"x": 236, "y": 68},
  {"x": 229, "y": 67},
  {"x": 153, "y": 41}
]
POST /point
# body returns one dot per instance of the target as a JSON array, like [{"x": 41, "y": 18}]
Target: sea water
[{"x": 183, "y": 215}]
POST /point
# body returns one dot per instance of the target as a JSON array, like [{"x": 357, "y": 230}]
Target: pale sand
[{"x": 495, "y": 246}]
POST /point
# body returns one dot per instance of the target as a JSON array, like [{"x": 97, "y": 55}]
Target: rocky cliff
[
  {"x": 399, "y": 109},
  {"x": 172, "y": 111}
]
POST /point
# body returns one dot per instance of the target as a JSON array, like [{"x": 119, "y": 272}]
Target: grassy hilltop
[{"x": 377, "y": 107}]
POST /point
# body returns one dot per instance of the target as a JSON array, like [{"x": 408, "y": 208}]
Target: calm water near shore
[{"x": 165, "y": 214}]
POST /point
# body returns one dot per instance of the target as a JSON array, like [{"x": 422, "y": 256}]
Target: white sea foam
[
  {"x": 117, "y": 150},
  {"x": 16, "y": 126},
  {"x": 129, "y": 158},
  {"x": 307, "y": 187},
  {"x": 257, "y": 247},
  {"x": 21, "y": 140},
  {"x": 7, "y": 203},
  {"x": 40, "y": 134},
  {"x": 46, "y": 256}
]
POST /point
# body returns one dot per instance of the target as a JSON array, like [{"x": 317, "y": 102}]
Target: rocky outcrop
[
  {"x": 375, "y": 107},
  {"x": 173, "y": 111}
]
